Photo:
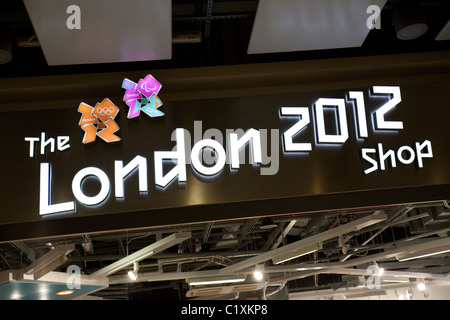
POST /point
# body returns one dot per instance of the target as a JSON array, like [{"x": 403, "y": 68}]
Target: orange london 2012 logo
[{"x": 99, "y": 121}]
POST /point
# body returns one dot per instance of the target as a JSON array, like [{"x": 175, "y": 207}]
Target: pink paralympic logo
[{"x": 142, "y": 96}]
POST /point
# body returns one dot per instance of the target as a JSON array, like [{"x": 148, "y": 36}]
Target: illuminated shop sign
[
  {"x": 377, "y": 157},
  {"x": 311, "y": 128}
]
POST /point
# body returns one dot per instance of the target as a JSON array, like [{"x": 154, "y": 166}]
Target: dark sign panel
[{"x": 111, "y": 164}]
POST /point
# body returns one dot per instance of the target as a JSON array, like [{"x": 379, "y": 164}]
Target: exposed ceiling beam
[
  {"x": 207, "y": 231},
  {"x": 387, "y": 273},
  {"x": 29, "y": 252},
  {"x": 313, "y": 224},
  {"x": 49, "y": 261},
  {"x": 142, "y": 254},
  {"x": 274, "y": 235},
  {"x": 326, "y": 235},
  {"x": 388, "y": 254},
  {"x": 311, "y": 269},
  {"x": 283, "y": 234},
  {"x": 248, "y": 226},
  {"x": 151, "y": 277},
  {"x": 393, "y": 215},
  {"x": 353, "y": 292}
]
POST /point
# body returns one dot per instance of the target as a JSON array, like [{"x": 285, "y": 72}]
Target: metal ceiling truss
[{"x": 350, "y": 240}]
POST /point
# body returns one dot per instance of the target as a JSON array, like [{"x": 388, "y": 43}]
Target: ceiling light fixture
[
  {"x": 423, "y": 255},
  {"x": 258, "y": 273},
  {"x": 216, "y": 280},
  {"x": 434, "y": 248},
  {"x": 134, "y": 273},
  {"x": 409, "y": 294},
  {"x": 373, "y": 293},
  {"x": 224, "y": 290},
  {"x": 298, "y": 252},
  {"x": 422, "y": 287},
  {"x": 395, "y": 279},
  {"x": 410, "y": 22},
  {"x": 380, "y": 270}
]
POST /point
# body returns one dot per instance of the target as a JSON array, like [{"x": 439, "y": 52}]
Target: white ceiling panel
[
  {"x": 110, "y": 30},
  {"x": 300, "y": 25}
]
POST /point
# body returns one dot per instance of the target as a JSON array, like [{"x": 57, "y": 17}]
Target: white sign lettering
[
  {"x": 405, "y": 155},
  {"x": 62, "y": 143},
  {"x": 210, "y": 152}
]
